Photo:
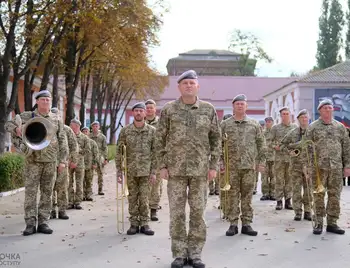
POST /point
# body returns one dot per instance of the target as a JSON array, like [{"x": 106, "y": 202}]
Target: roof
[
  {"x": 207, "y": 54},
  {"x": 219, "y": 52}
]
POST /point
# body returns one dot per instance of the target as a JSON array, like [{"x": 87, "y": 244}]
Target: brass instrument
[
  {"x": 37, "y": 134},
  {"x": 122, "y": 193},
  {"x": 226, "y": 178}
]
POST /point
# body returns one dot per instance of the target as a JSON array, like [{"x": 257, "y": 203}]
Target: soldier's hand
[
  {"x": 152, "y": 178},
  {"x": 346, "y": 172},
  {"x": 60, "y": 167},
  {"x": 222, "y": 167},
  {"x": 18, "y": 131},
  {"x": 94, "y": 166},
  {"x": 105, "y": 162},
  {"x": 120, "y": 177},
  {"x": 261, "y": 168},
  {"x": 277, "y": 148},
  {"x": 292, "y": 153},
  {"x": 164, "y": 174},
  {"x": 211, "y": 174},
  {"x": 72, "y": 165}
]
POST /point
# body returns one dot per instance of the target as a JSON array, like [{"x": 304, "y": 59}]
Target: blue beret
[
  {"x": 150, "y": 102},
  {"x": 139, "y": 105},
  {"x": 284, "y": 108},
  {"x": 85, "y": 128},
  {"x": 226, "y": 116},
  {"x": 95, "y": 123},
  {"x": 43, "y": 93},
  {"x": 269, "y": 118},
  {"x": 75, "y": 121},
  {"x": 240, "y": 97},
  {"x": 324, "y": 102},
  {"x": 190, "y": 74},
  {"x": 54, "y": 110},
  {"x": 262, "y": 122},
  {"x": 302, "y": 112}
]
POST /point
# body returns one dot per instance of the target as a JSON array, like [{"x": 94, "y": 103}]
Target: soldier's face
[
  {"x": 303, "y": 120},
  {"x": 44, "y": 103},
  {"x": 326, "y": 111},
  {"x": 75, "y": 127},
  {"x": 86, "y": 132},
  {"x": 240, "y": 107},
  {"x": 95, "y": 128},
  {"x": 189, "y": 87},
  {"x": 269, "y": 124},
  {"x": 285, "y": 115},
  {"x": 150, "y": 109},
  {"x": 139, "y": 114}
]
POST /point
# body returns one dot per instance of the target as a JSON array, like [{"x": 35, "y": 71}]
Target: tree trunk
[
  {"x": 55, "y": 88},
  {"x": 28, "y": 104}
]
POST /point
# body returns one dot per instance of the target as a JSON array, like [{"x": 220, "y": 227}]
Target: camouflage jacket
[
  {"x": 292, "y": 141},
  {"x": 270, "y": 152},
  {"x": 140, "y": 156},
  {"x": 188, "y": 139},
  {"x": 85, "y": 156},
  {"x": 101, "y": 142},
  {"x": 154, "y": 122},
  {"x": 94, "y": 150},
  {"x": 276, "y": 135},
  {"x": 57, "y": 150},
  {"x": 72, "y": 144},
  {"x": 332, "y": 144},
  {"x": 245, "y": 142}
]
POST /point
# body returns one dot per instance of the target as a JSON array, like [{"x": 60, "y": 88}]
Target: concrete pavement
[{"x": 89, "y": 239}]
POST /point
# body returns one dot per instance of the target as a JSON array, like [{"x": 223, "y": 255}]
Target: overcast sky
[{"x": 287, "y": 29}]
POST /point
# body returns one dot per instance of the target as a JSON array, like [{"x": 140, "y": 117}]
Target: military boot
[
  {"x": 254, "y": 192},
  {"x": 179, "y": 263},
  {"x": 248, "y": 230},
  {"x": 146, "y": 230},
  {"x": 53, "y": 214},
  {"x": 272, "y": 198},
  {"x": 279, "y": 205},
  {"x": 211, "y": 192},
  {"x": 44, "y": 229},
  {"x": 89, "y": 199},
  {"x": 29, "y": 230},
  {"x": 318, "y": 229},
  {"x": 335, "y": 229},
  {"x": 232, "y": 230},
  {"x": 133, "y": 230},
  {"x": 196, "y": 263},
  {"x": 78, "y": 206},
  {"x": 63, "y": 215},
  {"x": 100, "y": 192},
  {"x": 288, "y": 204},
  {"x": 307, "y": 216},
  {"x": 217, "y": 192},
  {"x": 154, "y": 215},
  {"x": 70, "y": 206},
  {"x": 264, "y": 198},
  {"x": 297, "y": 217}
]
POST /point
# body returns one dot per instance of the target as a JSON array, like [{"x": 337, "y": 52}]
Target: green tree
[
  {"x": 331, "y": 23},
  {"x": 347, "y": 40}
]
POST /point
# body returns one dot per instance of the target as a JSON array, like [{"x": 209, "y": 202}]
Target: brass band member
[
  {"x": 245, "y": 141},
  {"x": 188, "y": 147},
  {"x": 138, "y": 137},
  {"x": 333, "y": 155},
  {"x": 297, "y": 167},
  {"x": 41, "y": 167},
  {"x": 283, "y": 180}
]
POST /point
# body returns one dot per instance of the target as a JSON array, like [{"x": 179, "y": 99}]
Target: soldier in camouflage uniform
[
  {"x": 155, "y": 188},
  {"x": 332, "y": 144},
  {"x": 101, "y": 142},
  {"x": 60, "y": 192},
  {"x": 246, "y": 145},
  {"x": 77, "y": 171},
  {"x": 89, "y": 171},
  {"x": 262, "y": 125},
  {"x": 284, "y": 185},
  {"x": 268, "y": 181},
  {"x": 138, "y": 138},
  {"x": 188, "y": 148},
  {"x": 41, "y": 167},
  {"x": 298, "y": 165}
]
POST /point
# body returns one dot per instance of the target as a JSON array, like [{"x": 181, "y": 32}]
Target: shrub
[
  {"x": 11, "y": 169},
  {"x": 111, "y": 152}
]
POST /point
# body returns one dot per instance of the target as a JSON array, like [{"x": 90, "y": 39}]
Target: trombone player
[
  {"x": 292, "y": 142},
  {"x": 138, "y": 138},
  {"x": 41, "y": 165},
  {"x": 246, "y": 144},
  {"x": 332, "y": 146}
]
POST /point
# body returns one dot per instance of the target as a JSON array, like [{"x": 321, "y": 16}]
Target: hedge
[
  {"x": 11, "y": 168},
  {"x": 111, "y": 152}
]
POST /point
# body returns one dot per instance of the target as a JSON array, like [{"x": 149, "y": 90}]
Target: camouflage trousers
[
  {"x": 214, "y": 185},
  {"x": 155, "y": 193},
  {"x": 195, "y": 189},
  {"x": 242, "y": 186},
  {"x": 256, "y": 181},
  {"x": 138, "y": 200},
  {"x": 284, "y": 186},
  {"x": 87, "y": 184},
  {"x": 301, "y": 192},
  {"x": 38, "y": 176},
  {"x": 332, "y": 181},
  {"x": 76, "y": 177},
  {"x": 60, "y": 191},
  {"x": 224, "y": 195},
  {"x": 268, "y": 181},
  {"x": 100, "y": 170}
]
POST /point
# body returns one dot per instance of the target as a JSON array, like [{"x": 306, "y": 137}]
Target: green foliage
[
  {"x": 347, "y": 41},
  {"x": 11, "y": 169},
  {"x": 111, "y": 152}
]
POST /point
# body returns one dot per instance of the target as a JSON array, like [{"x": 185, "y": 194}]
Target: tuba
[{"x": 37, "y": 134}]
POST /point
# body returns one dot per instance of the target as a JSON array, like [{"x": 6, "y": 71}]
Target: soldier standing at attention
[
  {"x": 262, "y": 125},
  {"x": 246, "y": 154},
  {"x": 41, "y": 167},
  {"x": 298, "y": 164},
  {"x": 138, "y": 138},
  {"x": 155, "y": 188},
  {"x": 77, "y": 172},
  {"x": 101, "y": 142},
  {"x": 89, "y": 170},
  {"x": 188, "y": 148},
  {"x": 282, "y": 158},
  {"x": 60, "y": 192},
  {"x": 268, "y": 181},
  {"x": 333, "y": 155}
]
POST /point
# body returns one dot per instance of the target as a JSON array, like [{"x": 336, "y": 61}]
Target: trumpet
[
  {"x": 226, "y": 178},
  {"x": 122, "y": 193}
]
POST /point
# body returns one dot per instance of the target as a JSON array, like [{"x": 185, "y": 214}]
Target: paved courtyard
[{"x": 89, "y": 239}]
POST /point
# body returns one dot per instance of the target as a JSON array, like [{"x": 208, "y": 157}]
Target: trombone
[
  {"x": 227, "y": 186},
  {"x": 122, "y": 193}
]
